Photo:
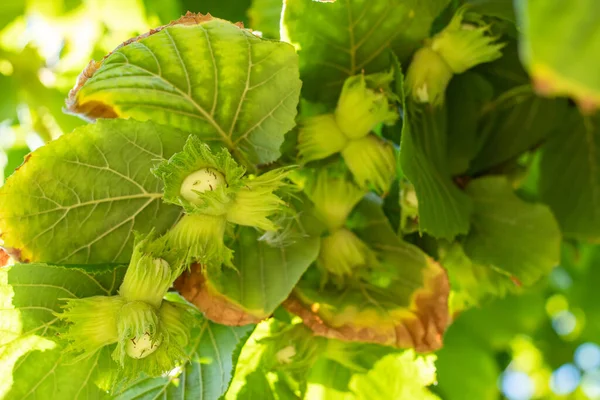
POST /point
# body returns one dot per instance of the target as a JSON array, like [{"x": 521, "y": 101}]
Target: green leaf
[
  {"x": 30, "y": 294},
  {"x": 39, "y": 290},
  {"x": 570, "y": 178},
  {"x": 205, "y": 377},
  {"x": 466, "y": 97},
  {"x": 329, "y": 381},
  {"x": 552, "y": 37},
  {"x": 389, "y": 375},
  {"x": 397, "y": 377},
  {"x": 444, "y": 209},
  {"x": 472, "y": 282},
  {"x": 204, "y": 76},
  {"x": 282, "y": 361},
  {"x": 340, "y": 39},
  {"x": 88, "y": 191},
  {"x": 274, "y": 361},
  {"x": 51, "y": 375},
  {"x": 247, "y": 371},
  {"x": 265, "y": 274},
  {"x": 517, "y": 122},
  {"x": 522, "y": 239},
  {"x": 401, "y": 302},
  {"x": 265, "y": 16}
]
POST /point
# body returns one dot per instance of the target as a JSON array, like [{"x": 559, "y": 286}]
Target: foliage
[{"x": 383, "y": 199}]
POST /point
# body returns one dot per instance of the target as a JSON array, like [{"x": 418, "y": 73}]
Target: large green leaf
[
  {"x": 39, "y": 290},
  {"x": 517, "y": 122},
  {"x": 260, "y": 359},
  {"x": 444, "y": 209},
  {"x": 52, "y": 375},
  {"x": 201, "y": 75},
  {"x": 342, "y": 38},
  {"x": 30, "y": 294},
  {"x": 570, "y": 178},
  {"x": 397, "y": 377},
  {"x": 392, "y": 376},
  {"x": 281, "y": 361},
  {"x": 473, "y": 282},
  {"x": 265, "y": 274},
  {"x": 400, "y": 302},
  {"x": 522, "y": 239},
  {"x": 552, "y": 39},
  {"x": 263, "y": 277},
  {"x": 80, "y": 198},
  {"x": 206, "y": 377}
]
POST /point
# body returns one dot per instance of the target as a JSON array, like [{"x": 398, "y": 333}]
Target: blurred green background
[{"x": 539, "y": 345}]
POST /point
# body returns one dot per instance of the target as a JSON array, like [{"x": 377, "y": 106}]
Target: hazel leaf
[
  {"x": 202, "y": 75},
  {"x": 89, "y": 191}
]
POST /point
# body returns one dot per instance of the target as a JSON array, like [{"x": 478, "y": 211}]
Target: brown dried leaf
[
  {"x": 192, "y": 286},
  {"x": 94, "y": 110},
  {"x": 422, "y": 327}
]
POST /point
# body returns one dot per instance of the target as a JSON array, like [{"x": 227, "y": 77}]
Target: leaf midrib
[{"x": 185, "y": 96}]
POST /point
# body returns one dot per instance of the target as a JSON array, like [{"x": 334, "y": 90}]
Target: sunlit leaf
[
  {"x": 401, "y": 303},
  {"x": 89, "y": 191},
  {"x": 205, "y": 377},
  {"x": 275, "y": 358},
  {"x": 472, "y": 282},
  {"x": 397, "y": 377},
  {"x": 201, "y": 75},
  {"x": 263, "y": 277},
  {"x": 30, "y": 295}
]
